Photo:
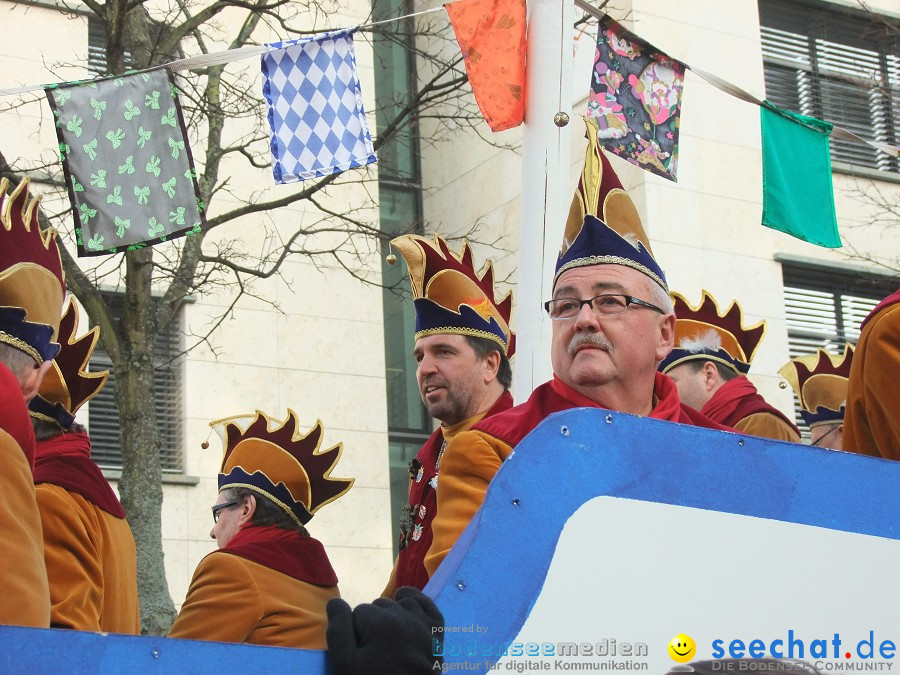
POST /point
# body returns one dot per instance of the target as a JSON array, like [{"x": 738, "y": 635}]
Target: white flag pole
[{"x": 546, "y": 184}]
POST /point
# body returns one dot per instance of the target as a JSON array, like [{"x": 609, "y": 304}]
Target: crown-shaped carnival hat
[
  {"x": 705, "y": 333},
  {"x": 68, "y": 385},
  {"x": 604, "y": 227},
  {"x": 450, "y": 296},
  {"x": 32, "y": 285},
  {"x": 820, "y": 382},
  {"x": 280, "y": 463}
]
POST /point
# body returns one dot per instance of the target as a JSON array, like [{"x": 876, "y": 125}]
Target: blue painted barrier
[{"x": 496, "y": 572}]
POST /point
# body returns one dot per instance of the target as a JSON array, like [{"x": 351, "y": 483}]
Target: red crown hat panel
[
  {"x": 69, "y": 382},
  {"x": 31, "y": 274},
  {"x": 820, "y": 380},
  {"x": 739, "y": 341}
]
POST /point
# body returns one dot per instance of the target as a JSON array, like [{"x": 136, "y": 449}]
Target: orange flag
[{"x": 491, "y": 35}]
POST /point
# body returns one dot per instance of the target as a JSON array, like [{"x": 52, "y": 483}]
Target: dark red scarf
[
  {"x": 285, "y": 551},
  {"x": 14, "y": 418},
  {"x": 553, "y": 396},
  {"x": 737, "y": 399},
  {"x": 66, "y": 461}
]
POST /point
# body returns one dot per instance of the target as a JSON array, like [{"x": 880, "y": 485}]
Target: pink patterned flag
[{"x": 636, "y": 98}]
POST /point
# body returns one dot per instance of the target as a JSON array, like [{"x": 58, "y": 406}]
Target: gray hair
[
  {"x": 267, "y": 512},
  {"x": 16, "y": 360},
  {"x": 659, "y": 296}
]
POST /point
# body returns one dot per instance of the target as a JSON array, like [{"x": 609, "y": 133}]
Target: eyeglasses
[
  {"x": 818, "y": 443},
  {"x": 560, "y": 309},
  {"x": 218, "y": 508}
]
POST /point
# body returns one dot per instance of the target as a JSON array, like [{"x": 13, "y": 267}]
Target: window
[
  {"x": 103, "y": 413},
  {"x": 400, "y": 211},
  {"x": 97, "y": 47},
  {"x": 839, "y": 65},
  {"x": 824, "y": 308}
]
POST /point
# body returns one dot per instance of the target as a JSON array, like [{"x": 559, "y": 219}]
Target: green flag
[{"x": 798, "y": 197}]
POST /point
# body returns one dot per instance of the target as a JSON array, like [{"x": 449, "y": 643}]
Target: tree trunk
[
  {"x": 141, "y": 489},
  {"x": 141, "y": 484}
]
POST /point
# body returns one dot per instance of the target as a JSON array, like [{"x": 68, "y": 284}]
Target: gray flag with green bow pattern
[{"x": 128, "y": 166}]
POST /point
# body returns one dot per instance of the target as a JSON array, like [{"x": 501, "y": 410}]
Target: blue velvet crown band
[
  {"x": 35, "y": 339},
  {"x": 599, "y": 244},
  {"x": 431, "y": 318}
]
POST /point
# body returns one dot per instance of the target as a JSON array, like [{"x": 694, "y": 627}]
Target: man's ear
[
  {"x": 666, "y": 336},
  {"x": 491, "y": 366},
  {"x": 32, "y": 382},
  {"x": 248, "y": 508},
  {"x": 710, "y": 375}
]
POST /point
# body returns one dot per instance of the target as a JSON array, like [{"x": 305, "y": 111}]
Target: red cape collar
[
  {"x": 66, "y": 461},
  {"x": 514, "y": 424},
  {"x": 737, "y": 399},
  {"x": 286, "y": 551}
]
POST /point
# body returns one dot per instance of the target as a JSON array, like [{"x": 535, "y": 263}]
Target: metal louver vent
[
  {"x": 103, "y": 413},
  {"x": 97, "y": 47},
  {"x": 838, "y": 66},
  {"x": 824, "y": 310}
]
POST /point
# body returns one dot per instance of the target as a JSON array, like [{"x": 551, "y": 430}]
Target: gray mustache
[{"x": 594, "y": 339}]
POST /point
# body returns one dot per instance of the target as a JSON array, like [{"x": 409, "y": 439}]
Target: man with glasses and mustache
[
  {"x": 613, "y": 323},
  {"x": 462, "y": 351}
]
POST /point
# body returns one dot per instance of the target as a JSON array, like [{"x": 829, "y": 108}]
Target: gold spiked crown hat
[
  {"x": 280, "y": 463},
  {"x": 68, "y": 385},
  {"x": 450, "y": 296},
  {"x": 820, "y": 381},
  {"x": 706, "y": 333},
  {"x": 32, "y": 285}
]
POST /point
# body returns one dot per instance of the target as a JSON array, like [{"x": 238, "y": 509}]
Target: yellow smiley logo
[{"x": 682, "y": 648}]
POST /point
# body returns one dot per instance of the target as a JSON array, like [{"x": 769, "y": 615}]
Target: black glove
[{"x": 403, "y": 636}]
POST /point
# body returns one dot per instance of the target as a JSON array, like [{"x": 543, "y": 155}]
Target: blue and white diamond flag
[{"x": 315, "y": 104}]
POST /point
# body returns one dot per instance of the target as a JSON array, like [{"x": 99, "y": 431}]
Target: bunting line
[
  {"x": 222, "y": 57},
  {"x": 739, "y": 93}
]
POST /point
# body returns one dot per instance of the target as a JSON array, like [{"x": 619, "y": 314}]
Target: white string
[
  {"x": 408, "y": 16},
  {"x": 226, "y": 56}
]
